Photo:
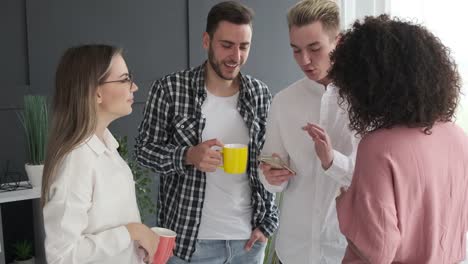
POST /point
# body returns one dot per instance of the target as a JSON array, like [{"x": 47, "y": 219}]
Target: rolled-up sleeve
[
  {"x": 153, "y": 148},
  {"x": 342, "y": 167}
]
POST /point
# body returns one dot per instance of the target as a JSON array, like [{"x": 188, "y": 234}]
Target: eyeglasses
[{"x": 128, "y": 79}]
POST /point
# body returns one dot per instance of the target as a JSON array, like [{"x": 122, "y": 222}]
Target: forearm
[
  {"x": 155, "y": 148},
  {"x": 270, "y": 221},
  {"x": 163, "y": 158},
  {"x": 269, "y": 187},
  {"x": 342, "y": 168},
  {"x": 269, "y": 226},
  {"x": 86, "y": 248}
]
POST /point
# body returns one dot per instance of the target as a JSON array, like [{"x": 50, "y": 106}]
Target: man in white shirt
[{"x": 309, "y": 108}]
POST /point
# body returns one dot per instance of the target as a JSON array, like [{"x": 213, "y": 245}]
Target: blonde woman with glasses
[{"x": 88, "y": 192}]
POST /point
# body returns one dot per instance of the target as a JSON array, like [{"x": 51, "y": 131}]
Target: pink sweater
[{"x": 408, "y": 200}]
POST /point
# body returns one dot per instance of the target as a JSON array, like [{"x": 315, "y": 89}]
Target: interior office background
[{"x": 158, "y": 37}]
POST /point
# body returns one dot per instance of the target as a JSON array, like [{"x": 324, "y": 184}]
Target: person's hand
[
  {"x": 203, "y": 157},
  {"x": 147, "y": 239},
  {"x": 275, "y": 176},
  {"x": 323, "y": 146},
  {"x": 342, "y": 192},
  {"x": 256, "y": 235},
  {"x": 149, "y": 242}
]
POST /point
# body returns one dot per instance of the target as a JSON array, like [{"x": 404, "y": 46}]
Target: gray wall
[
  {"x": 153, "y": 47},
  {"x": 37, "y": 32},
  {"x": 14, "y": 79}
]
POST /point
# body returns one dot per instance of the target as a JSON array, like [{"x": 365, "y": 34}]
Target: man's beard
[{"x": 216, "y": 66}]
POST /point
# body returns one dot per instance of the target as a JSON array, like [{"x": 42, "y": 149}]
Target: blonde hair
[
  {"x": 74, "y": 110},
  {"x": 309, "y": 11}
]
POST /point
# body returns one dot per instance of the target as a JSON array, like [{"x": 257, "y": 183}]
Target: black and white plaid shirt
[{"x": 173, "y": 122}]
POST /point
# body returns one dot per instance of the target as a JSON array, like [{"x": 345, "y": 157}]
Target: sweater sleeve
[{"x": 366, "y": 212}]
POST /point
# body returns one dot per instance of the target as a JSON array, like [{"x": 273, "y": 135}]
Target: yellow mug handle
[{"x": 222, "y": 166}]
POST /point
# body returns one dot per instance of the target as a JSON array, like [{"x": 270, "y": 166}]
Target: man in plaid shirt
[{"x": 218, "y": 217}]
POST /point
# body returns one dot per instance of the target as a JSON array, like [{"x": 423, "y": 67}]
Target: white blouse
[{"x": 90, "y": 201}]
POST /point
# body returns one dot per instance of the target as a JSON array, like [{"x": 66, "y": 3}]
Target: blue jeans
[{"x": 224, "y": 252}]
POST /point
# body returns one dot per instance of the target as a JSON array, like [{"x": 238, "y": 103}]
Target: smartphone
[{"x": 275, "y": 163}]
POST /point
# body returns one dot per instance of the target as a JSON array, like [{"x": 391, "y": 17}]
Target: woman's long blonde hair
[{"x": 79, "y": 73}]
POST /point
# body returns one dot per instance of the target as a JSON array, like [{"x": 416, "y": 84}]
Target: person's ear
[
  {"x": 206, "y": 40},
  {"x": 98, "y": 96},
  {"x": 338, "y": 38}
]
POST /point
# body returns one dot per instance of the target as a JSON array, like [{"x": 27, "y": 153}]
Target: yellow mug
[{"x": 235, "y": 158}]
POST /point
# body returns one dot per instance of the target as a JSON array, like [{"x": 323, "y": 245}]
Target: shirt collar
[
  {"x": 318, "y": 88},
  {"x": 199, "y": 82},
  {"x": 99, "y": 147}
]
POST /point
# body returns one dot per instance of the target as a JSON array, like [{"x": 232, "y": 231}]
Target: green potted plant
[
  {"x": 142, "y": 180},
  {"x": 23, "y": 252},
  {"x": 35, "y": 121}
]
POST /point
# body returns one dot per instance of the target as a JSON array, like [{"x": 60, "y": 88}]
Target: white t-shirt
[
  {"x": 227, "y": 209},
  {"x": 90, "y": 202}
]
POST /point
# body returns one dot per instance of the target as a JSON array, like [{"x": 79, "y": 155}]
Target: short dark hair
[
  {"x": 391, "y": 72},
  {"x": 231, "y": 11}
]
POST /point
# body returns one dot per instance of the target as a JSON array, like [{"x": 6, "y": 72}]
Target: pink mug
[{"x": 166, "y": 245}]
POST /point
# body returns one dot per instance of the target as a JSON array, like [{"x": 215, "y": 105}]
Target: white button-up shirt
[
  {"x": 91, "y": 200},
  {"x": 308, "y": 231}
]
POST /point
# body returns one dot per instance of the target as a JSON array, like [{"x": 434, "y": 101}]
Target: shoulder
[
  {"x": 184, "y": 75},
  {"x": 450, "y": 129},
  {"x": 396, "y": 143},
  {"x": 288, "y": 94},
  {"x": 177, "y": 80},
  {"x": 81, "y": 154},
  {"x": 75, "y": 170},
  {"x": 257, "y": 92},
  {"x": 256, "y": 86},
  {"x": 378, "y": 140},
  {"x": 80, "y": 159}
]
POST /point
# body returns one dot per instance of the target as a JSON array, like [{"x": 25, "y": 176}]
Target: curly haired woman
[{"x": 407, "y": 200}]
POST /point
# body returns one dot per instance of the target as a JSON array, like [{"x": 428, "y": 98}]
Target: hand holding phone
[{"x": 275, "y": 162}]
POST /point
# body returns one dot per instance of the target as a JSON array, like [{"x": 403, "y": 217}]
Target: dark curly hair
[{"x": 392, "y": 72}]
